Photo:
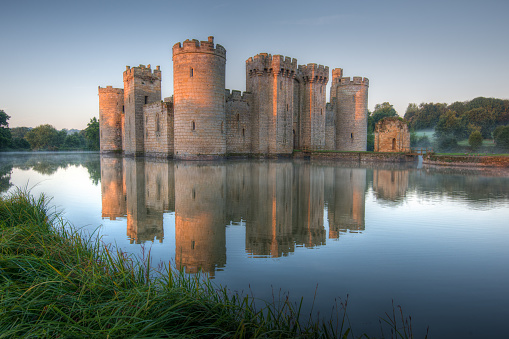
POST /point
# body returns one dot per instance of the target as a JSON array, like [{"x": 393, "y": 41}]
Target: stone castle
[{"x": 284, "y": 108}]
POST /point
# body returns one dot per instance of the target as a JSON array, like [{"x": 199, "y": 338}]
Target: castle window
[
  {"x": 321, "y": 111},
  {"x": 157, "y": 123},
  {"x": 192, "y": 244},
  {"x": 287, "y": 107},
  {"x": 146, "y": 99},
  {"x": 194, "y": 194},
  {"x": 243, "y": 134},
  {"x": 281, "y": 85},
  {"x": 193, "y": 126},
  {"x": 351, "y": 135},
  {"x": 238, "y": 117},
  {"x": 191, "y": 73},
  {"x": 122, "y": 109},
  {"x": 222, "y": 127}
]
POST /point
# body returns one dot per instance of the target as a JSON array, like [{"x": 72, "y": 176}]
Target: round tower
[
  {"x": 351, "y": 110},
  {"x": 111, "y": 106},
  {"x": 199, "y": 103}
]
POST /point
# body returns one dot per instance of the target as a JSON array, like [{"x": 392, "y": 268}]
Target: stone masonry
[
  {"x": 284, "y": 108},
  {"x": 392, "y": 135}
]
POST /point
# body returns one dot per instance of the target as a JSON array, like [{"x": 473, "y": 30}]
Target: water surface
[{"x": 433, "y": 240}]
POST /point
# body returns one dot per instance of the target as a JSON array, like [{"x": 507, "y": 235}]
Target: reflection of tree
[
  {"x": 5, "y": 177},
  {"x": 49, "y": 163}
]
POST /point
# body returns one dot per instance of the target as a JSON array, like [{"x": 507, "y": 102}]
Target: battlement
[
  {"x": 110, "y": 89},
  {"x": 346, "y": 81},
  {"x": 142, "y": 71},
  {"x": 264, "y": 63},
  {"x": 235, "y": 95},
  {"x": 314, "y": 73},
  {"x": 337, "y": 74},
  {"x": 195, "y": 46}
]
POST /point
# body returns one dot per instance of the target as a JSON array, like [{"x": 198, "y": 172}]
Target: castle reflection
[{"x": 281, "y": 203}]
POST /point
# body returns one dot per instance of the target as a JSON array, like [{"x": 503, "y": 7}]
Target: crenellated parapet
[
  {"x": 110, "y": 89},
  {"x": 196, "y": 46},
  {"x": 314, "y": 73},
  {"x": 265, "y": 64},
  {"x": 235, "y": 95},
  {"x": 143, "y": 72},
  {"x": 346, "y": 81}
]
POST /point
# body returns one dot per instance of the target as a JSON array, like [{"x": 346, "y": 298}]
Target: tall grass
[{"x": 56, "y": 282}]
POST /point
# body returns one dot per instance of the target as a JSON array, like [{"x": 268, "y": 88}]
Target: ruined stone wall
[
  {"x": 390, "y": 185},
  {"x": 111, "y": 106},
  {"x": 392, "y": 135},
  {"x": 158, "y": 136},
  {"x": 199, "y": 102},
  {"x": 330, "y": 128},
  {"x": 238, "y": 122},
  {"x": 271, "y": 80},
  {"x": 141, "y": 86},
  {"x": 200, "y": 238},
  {"x": 312, "y": 120},
  {"x": 351, "y": 110}
]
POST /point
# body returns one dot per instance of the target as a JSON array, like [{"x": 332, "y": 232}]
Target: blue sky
[{"x": 54, "y": 54}]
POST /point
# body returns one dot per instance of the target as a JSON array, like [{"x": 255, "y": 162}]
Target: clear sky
[{"x": 54, "y": 54}]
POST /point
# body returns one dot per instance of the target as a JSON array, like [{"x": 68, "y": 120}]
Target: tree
[
  {"x": 381, "y": 111},
  {"x": 411, "y": 112},
  {"x": 449, "y": 124},
  {"x": 475, "y": 140},
  {"x": 501, "y": 136},
  {"x": 43, "y": 137},
  {"x": 5, "y": 132},
  {"x": 92, "y": 134}
]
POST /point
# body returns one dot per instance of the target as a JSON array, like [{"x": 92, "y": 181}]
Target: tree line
[
  {"x": 47, "y": 137},
  {"x": 474, "y": 120}
]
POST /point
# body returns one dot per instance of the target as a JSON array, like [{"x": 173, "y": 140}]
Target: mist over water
[{"x": 433, "y": 240}]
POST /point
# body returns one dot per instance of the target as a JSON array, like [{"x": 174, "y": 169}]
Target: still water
[{"x": 436, "y": 241}]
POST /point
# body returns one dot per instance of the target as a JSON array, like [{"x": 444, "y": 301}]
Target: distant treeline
[
  {"x": 460, "y": 119},
  {"x": 46, "y": 137}
]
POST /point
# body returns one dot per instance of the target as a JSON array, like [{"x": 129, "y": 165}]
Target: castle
[{"x": 284, "y": 108}]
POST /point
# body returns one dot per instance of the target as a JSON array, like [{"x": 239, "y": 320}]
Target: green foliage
[
  {"x": 381, "y": 111},
  {"x": 5, "y": 133},
  {"x": 370, "y": 147},
  {"x": 475, "y": 140},
  {"x": 501, "y": 136},
  {"x": 92, "y": 134},
  {"x": 75, "y": 141},
  {"x": 57, "y": 283},
  {"x": 44, "y": 137},
  {"x": 447, "y": 144}
]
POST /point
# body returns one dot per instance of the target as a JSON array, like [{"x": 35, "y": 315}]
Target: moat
[{"x": 433, "y": 240}]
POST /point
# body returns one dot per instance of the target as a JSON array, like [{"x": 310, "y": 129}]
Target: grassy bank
[{"x": 56, "y": 283}]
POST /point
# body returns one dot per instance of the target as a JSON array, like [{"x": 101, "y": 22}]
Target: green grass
[
  {"x": 56, "y": 282},
  {"x": 485, "y": 143}
]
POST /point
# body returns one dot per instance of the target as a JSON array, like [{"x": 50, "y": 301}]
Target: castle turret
[
  {"x": 141, "y": 87},
  {"x": 111, "y": 106},
  {"x": 199, "y": 102},
  {"x": 312, "y": 122},
  {"x": 351, "y": 110},
  {"x": 271, "y": 81}
]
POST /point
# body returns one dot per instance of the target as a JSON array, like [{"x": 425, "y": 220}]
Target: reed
[{"x": 57, "y": 282}]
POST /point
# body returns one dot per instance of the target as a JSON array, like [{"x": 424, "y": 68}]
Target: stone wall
[
  {"x": 199, "y": 102},
  {"x": 271, "y": 81},
  {"x": 112, "y": 188},
  {"x": 351, "y": 110},
  {"x": 238, "y": 122},
  {"x": 330, "y": 128},
  {"x": 392, "y": 135},
  {"x": 158, "y": 129},
  {"x": 312, "y": 126},
  {"x": 111, "y": 106},
  {"x": 141, "y": 87}
]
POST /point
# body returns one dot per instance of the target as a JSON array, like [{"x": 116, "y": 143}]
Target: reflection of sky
[{"x": 433, "y": 253}]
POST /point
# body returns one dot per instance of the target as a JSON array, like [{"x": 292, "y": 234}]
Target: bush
[
  {"x": 447, "y": 144},
  {"x": 501, "y": 136},
  {"x": 475, "y": 140}
]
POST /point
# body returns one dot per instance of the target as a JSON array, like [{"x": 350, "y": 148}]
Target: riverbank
[
  {"x": 476, "y": 161},
  {"x": 57, "y": 283}
]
